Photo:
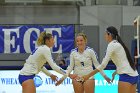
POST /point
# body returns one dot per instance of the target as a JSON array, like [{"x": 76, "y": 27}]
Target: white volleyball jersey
[
  {"x": 37, "y": 59},
  {"x": 116, "y": 53},
  {"x": 81, "y": 63}
]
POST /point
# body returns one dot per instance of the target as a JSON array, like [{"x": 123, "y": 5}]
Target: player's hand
[
  {"x": 113, "y": 76},
  {"x": 53, "y": 77},
  {"x": 59, "y": 82},
  {"x": 79, "y": 79},
  {"x": 107, "y": 79},
  {"x": 85, "y": 77}
]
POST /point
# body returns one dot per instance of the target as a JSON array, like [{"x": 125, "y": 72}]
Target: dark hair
[
  {"x": 114, "y": 33},
  {"x": 47, "y": 36},
  {"x": 63, "y": 62},
  {"x": 43, "y": 37}
]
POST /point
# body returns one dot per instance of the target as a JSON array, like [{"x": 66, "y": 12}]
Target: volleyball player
[
  {"x": 119, "y": 54},
  {"x": 35, "y": 63},
  {"x": 82, "y": 60}
]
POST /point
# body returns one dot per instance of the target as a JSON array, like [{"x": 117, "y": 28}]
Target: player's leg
[
  {"x": 133, "y": 88},
  {"x": 89, "y": 86},
  {"x": 28, "y": 86},
  {"x": 127, "y": 83},
  {"x": 27, "y": 83},
  {"x": 78, "y": 87},
  {"x": 134, "y": 81},
  {"x": 124, "y": 87}
]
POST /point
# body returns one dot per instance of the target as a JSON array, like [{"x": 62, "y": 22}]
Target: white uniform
[
  {"x": 35, "y": 62},
  {"x": 117, "y": 54},
  {"x": 81, "y": 63}
]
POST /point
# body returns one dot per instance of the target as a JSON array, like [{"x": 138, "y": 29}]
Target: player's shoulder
[
  {"x": 90, "y": 49},
  {"x": 74, "y": 50},
  {"x": 114, "y": 44},
  {"x": 44, "y": 48}
]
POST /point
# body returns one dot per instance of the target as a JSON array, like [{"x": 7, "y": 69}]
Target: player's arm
[
  {"x": 113, "y": 75},
  {"x": 70, "y": 67},
  {"x": 48, "y": 56},
  {"x": 68, "y": 71},
  {"x": 53, "y": 77},
  {"x": 96, "y": 63},
  {"x": 44, "y": 70},
  {"x": 106, "y": 59},
  {"x": 103, "y": 64}
]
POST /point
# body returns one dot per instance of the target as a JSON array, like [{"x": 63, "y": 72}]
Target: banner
[
  {"x": 22, "y": 39},
  {"x": 9, "y": 83}
]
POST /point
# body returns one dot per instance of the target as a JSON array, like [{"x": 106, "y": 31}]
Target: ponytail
[
  {"x": 127, "y": 53},
  {"x": 42, "y": 38}
]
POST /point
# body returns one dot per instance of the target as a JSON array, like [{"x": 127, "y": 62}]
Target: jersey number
[{"x": 82, "y": 63}]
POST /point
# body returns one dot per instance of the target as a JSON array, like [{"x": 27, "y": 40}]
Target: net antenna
[{"x": 137, "y": 23}]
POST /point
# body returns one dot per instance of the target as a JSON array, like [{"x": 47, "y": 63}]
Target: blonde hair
[
  {"x": 42, "y": 38},
  {"x": 83, "y": 35}
]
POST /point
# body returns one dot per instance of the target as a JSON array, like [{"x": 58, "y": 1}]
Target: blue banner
[{"x": 22, "y": 39}]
